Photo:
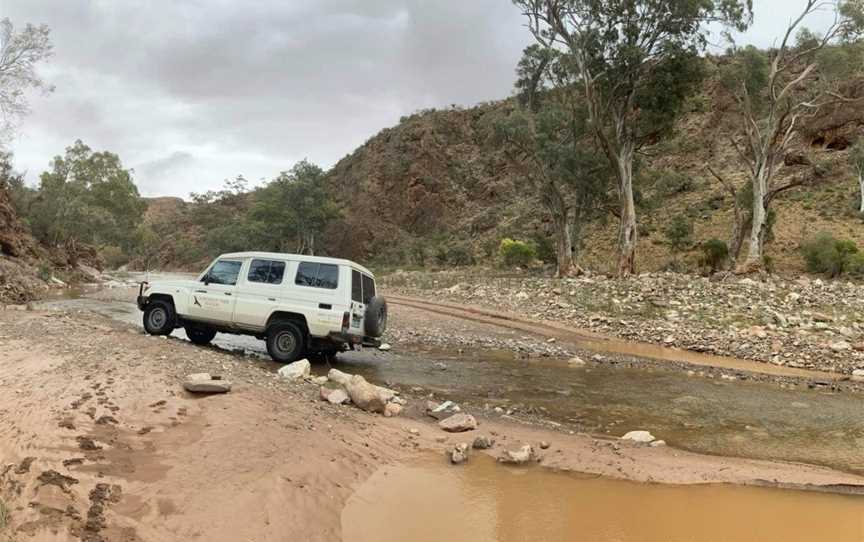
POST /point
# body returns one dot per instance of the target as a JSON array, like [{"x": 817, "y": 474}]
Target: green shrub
[
  {"x": 679, "y": 234},
  {"x": 516, "y": 253},
  {"x": 855, "y": 265},
  {"x": 825, "y": 254},
  {"x": 714, "y": 254},
  {"x": 113, "y": 256},
  {"x": 545, "y": 248}
]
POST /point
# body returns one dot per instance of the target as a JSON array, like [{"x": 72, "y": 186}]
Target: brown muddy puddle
[{"x": 483, "y": 501}]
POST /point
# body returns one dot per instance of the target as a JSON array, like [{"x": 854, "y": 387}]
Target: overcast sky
[{"x": 192, "y": 92}]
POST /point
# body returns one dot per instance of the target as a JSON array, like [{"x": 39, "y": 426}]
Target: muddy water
[
  {"x": 699, "y": 414},
  {"x": 482, "y": 501}
]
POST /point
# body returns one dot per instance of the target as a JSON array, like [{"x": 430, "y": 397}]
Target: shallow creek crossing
[{"x": 705, "y": 415}]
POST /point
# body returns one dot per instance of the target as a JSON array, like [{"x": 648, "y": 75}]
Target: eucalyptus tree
[
  {"x": 20, "y": 53},
  {"x": 774, "y": 91},
  {"x": 633, "y": 63}
]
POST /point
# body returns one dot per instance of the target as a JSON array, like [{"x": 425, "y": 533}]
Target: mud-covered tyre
[
  {"x": 376, "y": 317},
  {"x": 200, "y": 335},
  {"x": 159, "y": 317},
  {"x": 285, "y": 342}
]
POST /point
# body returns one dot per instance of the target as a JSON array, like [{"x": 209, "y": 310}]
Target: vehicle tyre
[
  {"x": 159, "y": 317},
  {"x": 285, "y": 342},
  {"x": 376, "y": 317},
  {"x": 200, "y": 335}
]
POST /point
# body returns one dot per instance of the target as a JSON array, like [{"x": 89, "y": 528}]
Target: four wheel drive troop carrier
[{"x": 298, "y": 304}]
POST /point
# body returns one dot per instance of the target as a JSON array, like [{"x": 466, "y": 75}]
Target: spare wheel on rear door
[{"x": 376, "y": 316}]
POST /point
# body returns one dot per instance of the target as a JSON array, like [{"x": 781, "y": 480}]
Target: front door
[{"x": 213, "y": 299}]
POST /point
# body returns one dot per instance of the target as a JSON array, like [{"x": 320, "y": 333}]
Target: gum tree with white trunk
[
  {"x": 772, "y": 104},
  {"x": 627, "y": 58}
]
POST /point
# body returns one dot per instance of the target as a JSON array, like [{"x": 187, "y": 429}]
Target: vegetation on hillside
[{"x": 603, "y": 129}]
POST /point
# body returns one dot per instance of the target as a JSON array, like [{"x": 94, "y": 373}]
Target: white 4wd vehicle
[{"x": 299, "y": 304}]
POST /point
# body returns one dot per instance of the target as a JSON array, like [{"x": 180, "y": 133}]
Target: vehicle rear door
[
  {"x": 212, "y": 300},
  {"x": 358, "y": 307}
]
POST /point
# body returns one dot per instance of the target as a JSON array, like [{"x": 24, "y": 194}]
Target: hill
[{"x": 433, "y": 189}]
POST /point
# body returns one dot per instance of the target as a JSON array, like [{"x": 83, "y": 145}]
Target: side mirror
[{"x": 207, "y": 280}]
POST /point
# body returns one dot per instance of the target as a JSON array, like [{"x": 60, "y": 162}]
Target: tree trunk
[
  {"x": 627, "y": 233},
  {"x": 739, "y": 229},
  {"x": 564, "y": 245},
  {"x": 758, "y": 221},
  {"x": 861, "y": 189}
]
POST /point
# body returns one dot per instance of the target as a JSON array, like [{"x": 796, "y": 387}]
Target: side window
[
  {"x": 224, "y": 272},
  {"x": 266, "y": 271},
  {"x": 317, "y": 275},
  {"x": 356, "y": 287},
  {"x": 368, "y": 289}
]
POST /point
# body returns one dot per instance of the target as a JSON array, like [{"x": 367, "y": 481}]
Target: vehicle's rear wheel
[
  {"x": 159, "y": 317},
  {"x": 200, "y": 335},
  {"x": 285, "y": 342}
]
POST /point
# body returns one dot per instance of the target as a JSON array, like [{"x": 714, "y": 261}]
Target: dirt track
[{"x": 99, "y": 442}]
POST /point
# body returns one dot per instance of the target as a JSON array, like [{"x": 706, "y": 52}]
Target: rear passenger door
[
  {"x": 259, "y": 290},
  {"x": 316, "y": 289}
]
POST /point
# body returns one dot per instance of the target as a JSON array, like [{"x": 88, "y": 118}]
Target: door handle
[
  {"x": 271, "y": 299},
  {"x": 227, "y": 293},
  {"x": 325, "y": 306},
  {"x": 200, "y": 291}
]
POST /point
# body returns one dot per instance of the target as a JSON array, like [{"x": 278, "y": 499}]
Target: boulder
[
  {"x": 457, "y": 423},
  {"x": 518, "y": 457},
  {"x": 365, "y": 395},
  {"x": 297, "y": 370},
  {"x": 204, "y": 383},
  {"x": 384, "y": 347},
  {"x": 642, "y": 437},
  {"x": 483, "y": 443}
]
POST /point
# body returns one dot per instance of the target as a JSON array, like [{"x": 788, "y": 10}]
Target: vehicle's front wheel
[
  {"x": 159, "y": 318},
  {"x": 285, "y": 342},
  {"x": 200, "y": 335}
]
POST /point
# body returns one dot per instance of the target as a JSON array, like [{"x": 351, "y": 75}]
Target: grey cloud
[{"x": 193, "y": 92}]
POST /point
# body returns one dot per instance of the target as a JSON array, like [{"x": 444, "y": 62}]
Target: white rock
[
  {"x": 518, "y": 457},
  {"x": 385, "y": 347},
  {"x": 339, "y": 377},
  {"x": 297, "y": 370},
  {"x": 658, "y": 443},
  {"x": 459, "y": 454},
  {"x": 576, "y": 361},
  {"x": 840, "y": 346},
  {"x": 639, "y": 436},
  {"x": 457, "y": 423},
  {"x": 207, "y": 386},
  {"x": 365, "y": 395},
  {"x": 337, "y": 397}
]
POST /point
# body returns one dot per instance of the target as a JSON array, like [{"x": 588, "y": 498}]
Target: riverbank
[
  {"x": 799, "y": 323},
  {"x": 99, "y": 440}
]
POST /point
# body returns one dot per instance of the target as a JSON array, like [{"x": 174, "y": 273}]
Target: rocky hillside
[
  {"x": 433, "y": 189},
  {"x": 19, "y": 257}
]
